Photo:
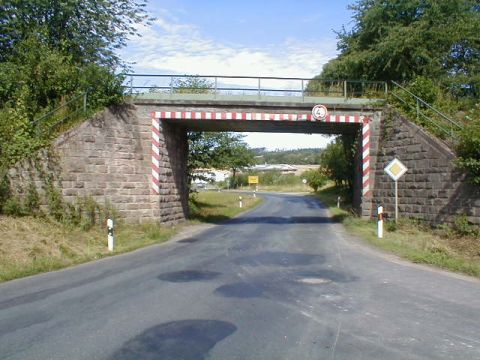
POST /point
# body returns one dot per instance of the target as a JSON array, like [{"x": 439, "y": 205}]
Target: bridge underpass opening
[{"x": 278, "y": 122}]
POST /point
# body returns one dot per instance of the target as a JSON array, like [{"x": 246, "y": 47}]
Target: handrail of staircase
[
  {"x": 38, "y": 122},
  {"x": 419, "y": 100}
]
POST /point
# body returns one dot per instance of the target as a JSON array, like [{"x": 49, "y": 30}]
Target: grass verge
[
  {"x": 215, "y": 207},
  {"x": 31, "y": 245},
  {"x": 419, "y": 243}
]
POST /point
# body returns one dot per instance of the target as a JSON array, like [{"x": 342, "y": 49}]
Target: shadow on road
[
  {"x": 281, "y": 220},
  {"x": 186, "y": 339},
  {"x": 188, "y": 275}
]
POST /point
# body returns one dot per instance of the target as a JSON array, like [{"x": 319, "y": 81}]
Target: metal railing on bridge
[{"x": 212, "y": 86}]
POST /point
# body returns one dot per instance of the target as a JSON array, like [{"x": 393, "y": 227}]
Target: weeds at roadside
[
  {"x": 31, "y": 245},
  {"x": 215, "y": 207},
  {"x": 455, "y": 248}
]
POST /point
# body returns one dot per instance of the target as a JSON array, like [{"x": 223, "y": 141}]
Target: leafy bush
[
  {"x": 391, "y": 226},
  {"x": 425, "y": 89},
  {"x": 463, "y": 227},
  {"x": 337, "y": 160},
  {"x": 468, "y": 150},
  {"x": 315, "y": 178},
  {"x": 32, "y": 199},
  {"x": 14, "y": 207}
]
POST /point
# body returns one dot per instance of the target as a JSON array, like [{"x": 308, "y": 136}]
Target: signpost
[
  {"x": 253, "y": 180},
  {"x": 395, "y": 169}
]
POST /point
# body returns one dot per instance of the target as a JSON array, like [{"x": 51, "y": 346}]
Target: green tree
[
  {"x": 468, "y": 149},
  {"x": 402, "y": 39},
  {"x": 50, "y": 51},
  {"x": 90, "y": 31},
  {"x": 338, "y": 160},
  {"x": 191, "y": 85},
  {"x": 58, "y": 49},
  {"x": 235, "y": 154},
  {"x": 315, "y": 178},
  {"x": 218, "y": 150}
]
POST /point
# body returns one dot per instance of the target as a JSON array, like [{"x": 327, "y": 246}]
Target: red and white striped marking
[
  {"x": 248, "y": 116},
  {"x": 366, "y": 158},
  {"x": 157, "y": 116},
  {"x": 155, "y": 155}
]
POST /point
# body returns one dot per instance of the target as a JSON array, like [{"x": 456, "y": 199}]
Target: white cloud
[{"x": 170, "y": 46}]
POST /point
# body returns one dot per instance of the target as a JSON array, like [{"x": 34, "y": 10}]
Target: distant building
[
  {"x": 283, "y": 168},
  {"x": 210, "y": 176}
]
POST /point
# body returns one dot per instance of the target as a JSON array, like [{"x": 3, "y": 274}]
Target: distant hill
[{"x": 293, "y": 157}]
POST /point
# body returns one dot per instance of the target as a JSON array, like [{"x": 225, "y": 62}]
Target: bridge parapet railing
[{"x": 298, "y": 89}]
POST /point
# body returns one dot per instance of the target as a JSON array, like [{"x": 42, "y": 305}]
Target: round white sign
[
  {"x": 304, "y": 181},
  {"x": 319, "y": 112}
]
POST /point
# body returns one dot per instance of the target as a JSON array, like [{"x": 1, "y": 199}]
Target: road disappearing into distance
[{"x": 280, "y": 282}]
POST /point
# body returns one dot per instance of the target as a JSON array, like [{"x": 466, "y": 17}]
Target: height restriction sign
[{"x": 319, "y": 112}]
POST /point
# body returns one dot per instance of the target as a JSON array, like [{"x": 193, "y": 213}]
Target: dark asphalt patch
[
  {"x": 186, "y": 340},
  {"x": 188, "y": 240},
  {"x": 188, "y": 275}
]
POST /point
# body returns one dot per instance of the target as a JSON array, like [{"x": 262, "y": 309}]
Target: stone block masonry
[
  {"x": 433, "y": 189},
  {"x": 109, "y": 158}
]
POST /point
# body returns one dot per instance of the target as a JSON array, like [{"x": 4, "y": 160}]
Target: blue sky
[{"x": 256, "y": 38}]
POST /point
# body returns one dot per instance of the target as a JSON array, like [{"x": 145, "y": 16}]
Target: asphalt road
[{"x": 281, "y": 282}]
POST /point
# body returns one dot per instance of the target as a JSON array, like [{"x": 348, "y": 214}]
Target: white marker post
[
  {"x": 380, "y": 222},
  {"x": 254, "y": 193},
  {"x": 338, "y": 201},
  {"x": 240, "y": 203},
  {"x": 110, "y": 239}
]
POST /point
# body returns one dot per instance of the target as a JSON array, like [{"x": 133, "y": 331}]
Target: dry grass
[
  {"x": 442, "y": 247},
  {"x": 213, "y": 206},
  {"x": 31, "y": 245}
]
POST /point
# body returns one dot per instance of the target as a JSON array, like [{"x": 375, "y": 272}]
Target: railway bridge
[{"x": 134, "y": 156}]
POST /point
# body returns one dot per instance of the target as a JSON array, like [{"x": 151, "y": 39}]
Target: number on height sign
[{"x": 319, "y": 112}]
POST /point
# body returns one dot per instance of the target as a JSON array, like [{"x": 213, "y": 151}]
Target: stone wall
[
  {"x": 433, "y": 189},
  {"x": 173, "y": 197},
  {"x": 109, "y": 158}
]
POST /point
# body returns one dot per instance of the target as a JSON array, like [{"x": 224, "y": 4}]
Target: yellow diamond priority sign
[{"x": 395, "y": 169}]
